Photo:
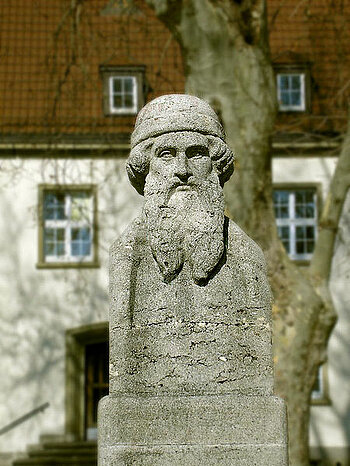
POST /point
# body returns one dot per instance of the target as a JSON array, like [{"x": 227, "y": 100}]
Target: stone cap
[{"x": 176, "y": 112}]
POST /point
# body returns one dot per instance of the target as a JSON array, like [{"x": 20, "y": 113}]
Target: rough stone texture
[
  {"x": 195, "y": 455},
  {"x": 191, "y": 374},
  {"x": 181, "y": 337},
  {"x": 159, "y": 420}
]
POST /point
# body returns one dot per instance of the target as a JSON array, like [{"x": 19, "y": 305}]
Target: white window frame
[
  {"x": 293, "y": 108},
  {"x": 292, "y": 222},
  {"x": 317, "y": 395},
  {"x": 123, "y": 110},
  {"x": 67, "y": 225}
]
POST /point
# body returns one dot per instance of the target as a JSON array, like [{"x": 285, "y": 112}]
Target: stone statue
[{"x": 191, "y": 374}]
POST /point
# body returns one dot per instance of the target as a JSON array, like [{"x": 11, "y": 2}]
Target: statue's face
[
  {"x": 184, "y": 205},
  {"x": 181, "y": 160}
]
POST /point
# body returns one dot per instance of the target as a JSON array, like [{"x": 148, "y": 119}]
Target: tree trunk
[{"x": 226, "y": 57}]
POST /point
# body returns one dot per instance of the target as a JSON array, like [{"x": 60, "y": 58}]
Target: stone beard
[{"x": 185, "y": 220}]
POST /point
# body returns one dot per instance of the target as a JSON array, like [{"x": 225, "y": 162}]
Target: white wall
[{"x": 38, "y": 305}]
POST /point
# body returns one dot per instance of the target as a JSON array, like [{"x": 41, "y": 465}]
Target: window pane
[
  {"x": 60, "y": 234},
  {"x": 128, "y": 101},
  {"x": 54, "y": 206},
  {"x": 281, "y": 204},
  {"x": 300, "y": 232},
  {"x": 54, "y": 241},
  {"x": 117, "y": 85},
  {"x": 309, "y": 196},
  {"x": 300, "y": 241},
  {"x": 49, "y": 234},
  {"x": 49, "y": 249},
  {"x": 81, "y": 241},
  {"x": 81, "y": 234},
  {"x": 128, "y": 85},
  {"x": 81, "y": 206},
  {"x": 284, "y": 234},
  {"x": 86, "y": 249},
  {"x": 295, "y": 82},
  {"x": 305, "y": 206},
  {"x": 296, "y": 98},
  {"x": 60, "y": 249},
  {"x": 76, "y": 249},
  {"x": 285, "y": 99},
  {"x": 281, "y": 196},
  {"x": 300, "y": 196},
  {"x": 300, "y": 247},
  {"x": 310, "y": 211},
  {"x": 117, "y": 101},
  {"x": 310, "y": 233},
  {"x": 300, "y": 211},
  {"x": 284, "y": 82}
]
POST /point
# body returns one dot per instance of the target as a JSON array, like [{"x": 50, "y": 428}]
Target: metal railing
[{"x": 24, "y": 418}]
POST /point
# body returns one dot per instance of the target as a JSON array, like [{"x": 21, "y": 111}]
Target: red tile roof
[{"x": 51, "y": 53}]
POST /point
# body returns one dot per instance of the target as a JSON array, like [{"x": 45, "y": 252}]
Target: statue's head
[
  {"x": 180, "y": 161},
  {"x": 181, "y": 137}
]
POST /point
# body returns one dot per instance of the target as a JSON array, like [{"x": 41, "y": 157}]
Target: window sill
[
  {"x": 301, "y": 262},
  {"x": 292, "y": 110},
  {"x": 324, "y": 401},
  {"x": 67, "y": 265},
  {"x": 122, "y": 112}
]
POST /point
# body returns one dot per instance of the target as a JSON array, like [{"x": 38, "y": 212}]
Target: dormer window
[
  {"x": 293, "y": 83},
  {"x": 122, "y": 90}
]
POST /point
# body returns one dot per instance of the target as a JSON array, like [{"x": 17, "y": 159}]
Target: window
[
  {"x": 291, "y": 91},
  {"x": 123, "y": 94},
  {"x": 296, "y": 217},
  {"x": 67, "y": 233},
  {"x": 122, "y": 90}
]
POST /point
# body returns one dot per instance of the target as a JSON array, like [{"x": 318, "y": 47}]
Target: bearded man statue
[{"x": 190, "y": 319}]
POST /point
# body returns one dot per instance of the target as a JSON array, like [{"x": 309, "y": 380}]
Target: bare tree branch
[{"x": 328, "y": 226}]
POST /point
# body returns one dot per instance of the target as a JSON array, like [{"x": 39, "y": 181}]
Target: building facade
[{"x": 73, "y": 75}]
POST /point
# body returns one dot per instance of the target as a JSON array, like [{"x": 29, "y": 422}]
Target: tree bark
[{"x": 225, "y": 50}]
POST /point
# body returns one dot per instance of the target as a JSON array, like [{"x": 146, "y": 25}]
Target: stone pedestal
[{"x": 192, "y": 430}]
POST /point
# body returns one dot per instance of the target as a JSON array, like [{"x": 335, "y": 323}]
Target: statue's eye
[
  {"x": 197, "y": 151},
  {"x": 167, "y": 153}
]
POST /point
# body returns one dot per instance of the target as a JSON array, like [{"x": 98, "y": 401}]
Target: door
[{"x": 96, "y": 384}]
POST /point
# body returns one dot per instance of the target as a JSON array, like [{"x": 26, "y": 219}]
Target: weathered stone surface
[
  {"x": 182, "y": 337},
  {"x": 191, "y": 373},
  {"x": 214, "y": 419},
  {"x": 194, "y": 455}
]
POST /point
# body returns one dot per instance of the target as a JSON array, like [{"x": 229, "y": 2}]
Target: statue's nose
[{"x": 182, "y": 169}]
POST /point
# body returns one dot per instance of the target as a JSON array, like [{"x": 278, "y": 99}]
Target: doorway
[
  {"x": 86, "y": 378},
  {"x": 96, "y": 383}
]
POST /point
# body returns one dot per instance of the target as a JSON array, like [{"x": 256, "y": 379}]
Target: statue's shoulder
[
  {"x": 241, "y": 246},
  {"x": 132, "y": 239}
]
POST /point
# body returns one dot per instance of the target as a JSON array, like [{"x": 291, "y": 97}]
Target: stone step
[
  {"x": 60, "y": 453},
  {"x": 83, "y": 447},
  {"x": 91, "y": 444},
  {"x": 55, "y": 461},
  {"x": 64, "y": 452}
]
